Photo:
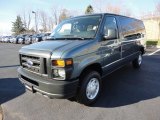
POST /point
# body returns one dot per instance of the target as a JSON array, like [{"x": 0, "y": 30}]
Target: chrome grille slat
[
  {"x": 36, "y": 63},
  {"x": 34, "y": 67}
]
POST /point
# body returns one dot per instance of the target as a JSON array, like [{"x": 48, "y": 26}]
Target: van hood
[
  {"x": 58, "y": 46},
  {"x": 53, "y": 45}
]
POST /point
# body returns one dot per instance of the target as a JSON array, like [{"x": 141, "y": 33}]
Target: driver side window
[{"x": 110, "y": 26}]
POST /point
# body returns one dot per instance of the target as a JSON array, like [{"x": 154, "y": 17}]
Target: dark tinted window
[
  {"x": 131, "y": 28},
  {"x": 110, "y": 23}
]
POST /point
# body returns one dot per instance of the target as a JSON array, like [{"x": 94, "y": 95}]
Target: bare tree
[
  {"x": 43, "y": 20},
  {"x": 55, "y": 13},
  {"x": 64, "y": 14},
  {"x": 58, "y": 14},
  {"x": 26, "y": 18},
  {"x": 127, "y": 12},
  {"x": 99, "y": 5},
  {"x": 37, "y": 19},
  {"x": 117, "y": 9},
  {"x": 29, "y": 20},
  {"x": 50, "y": 24},
  {"x": 113, "y": 9},
  {"x": 157, "y": 8},
  {"x": 75, "y": 13}
]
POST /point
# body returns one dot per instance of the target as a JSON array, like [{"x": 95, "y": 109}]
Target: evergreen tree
[
  {"x": 17, "y": 26},
  {"x": 89, "y": 10}
]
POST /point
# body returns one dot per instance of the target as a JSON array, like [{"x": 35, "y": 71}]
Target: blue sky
[{"x": 10, "y": 8}]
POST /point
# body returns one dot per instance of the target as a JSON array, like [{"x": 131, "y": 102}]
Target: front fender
[{"x": 85, "y": 61}]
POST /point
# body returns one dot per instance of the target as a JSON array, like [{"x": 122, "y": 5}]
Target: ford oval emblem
[{"x": 29, "y": 63}]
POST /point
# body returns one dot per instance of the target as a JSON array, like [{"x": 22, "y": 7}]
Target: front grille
[{"x": 34, "y": 65}]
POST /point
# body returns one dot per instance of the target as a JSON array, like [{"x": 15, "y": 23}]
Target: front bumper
[{"x": 48, "y": 87}]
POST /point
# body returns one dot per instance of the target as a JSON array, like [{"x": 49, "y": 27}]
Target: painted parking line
[{"x": 153, "y": 52}]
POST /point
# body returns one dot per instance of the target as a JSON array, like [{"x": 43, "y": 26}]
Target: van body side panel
[{"x": 132, "y": 32}]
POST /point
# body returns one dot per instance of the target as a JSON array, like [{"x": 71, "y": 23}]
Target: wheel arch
[
  {"x": 142, "y": 49},
  {"x": 94, "y": 66}
]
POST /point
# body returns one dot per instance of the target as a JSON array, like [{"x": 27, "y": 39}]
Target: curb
[
  {"x": 1, "y": 113},
  {"x": 152, "y": 46}
]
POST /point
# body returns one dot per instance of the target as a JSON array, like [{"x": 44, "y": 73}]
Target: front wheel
[
  {"x": 90, "y": 88},
  {"x": 137, "y": 62}
]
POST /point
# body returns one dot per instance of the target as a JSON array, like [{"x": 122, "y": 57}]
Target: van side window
[
  {"x": 131, "y": 28},
  {"x": 110, "y": 24}
]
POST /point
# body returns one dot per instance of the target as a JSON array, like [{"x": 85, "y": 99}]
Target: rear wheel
[
  {"x": 90, "y": 88},
  {"x": 137, "y": 62}
]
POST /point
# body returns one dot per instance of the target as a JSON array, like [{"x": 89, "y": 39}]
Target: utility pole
[{"x": 35, "y": 20}]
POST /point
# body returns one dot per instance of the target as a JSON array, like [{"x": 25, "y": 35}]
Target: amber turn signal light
[{"x": 62, "y": 63}]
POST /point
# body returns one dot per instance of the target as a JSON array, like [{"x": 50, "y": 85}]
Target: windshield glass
[{"x": 80, "y": 27}]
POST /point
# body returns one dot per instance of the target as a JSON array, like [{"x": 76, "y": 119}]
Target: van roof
[{"x": 106, "y": 14}]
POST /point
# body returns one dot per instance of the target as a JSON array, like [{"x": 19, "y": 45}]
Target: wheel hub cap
[
  {"x": 139, "y": 59},
  {"x": 92, "y": 88}
]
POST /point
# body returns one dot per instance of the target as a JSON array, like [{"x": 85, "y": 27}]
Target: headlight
[
  {"x": 59, "y": 73},
  {"x": 62, "y": 68},
  {"x": 62, "y": 73}
]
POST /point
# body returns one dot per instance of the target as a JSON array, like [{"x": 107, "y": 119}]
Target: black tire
[
  {"x": 82, "y": 92},
  {"x": 138, "y": 61}
]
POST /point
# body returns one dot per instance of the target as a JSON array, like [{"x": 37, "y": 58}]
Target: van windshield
[{"x": 77, "y": 28}]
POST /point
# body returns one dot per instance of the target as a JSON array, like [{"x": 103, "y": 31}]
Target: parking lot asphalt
[{"x": 128, "y": 94}]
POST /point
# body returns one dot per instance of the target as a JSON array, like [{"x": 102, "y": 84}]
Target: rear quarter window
[{"x": 131, "y": 28}]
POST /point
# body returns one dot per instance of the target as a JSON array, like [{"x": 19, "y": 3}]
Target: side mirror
[{"x": 110, "y": 34}]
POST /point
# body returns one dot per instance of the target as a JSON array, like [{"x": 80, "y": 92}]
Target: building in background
[{"x": 152, "y": 25}]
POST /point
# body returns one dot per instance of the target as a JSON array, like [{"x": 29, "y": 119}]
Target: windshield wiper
[
  {"x": 69, "y": 38},
  {"x": 73, "y": 37},
  {"x": 78, "y": 38},
  {"x": 52, "y": 38}
]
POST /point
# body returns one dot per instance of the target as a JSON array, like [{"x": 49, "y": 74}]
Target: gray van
[{"x": 79, "y": 53}]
